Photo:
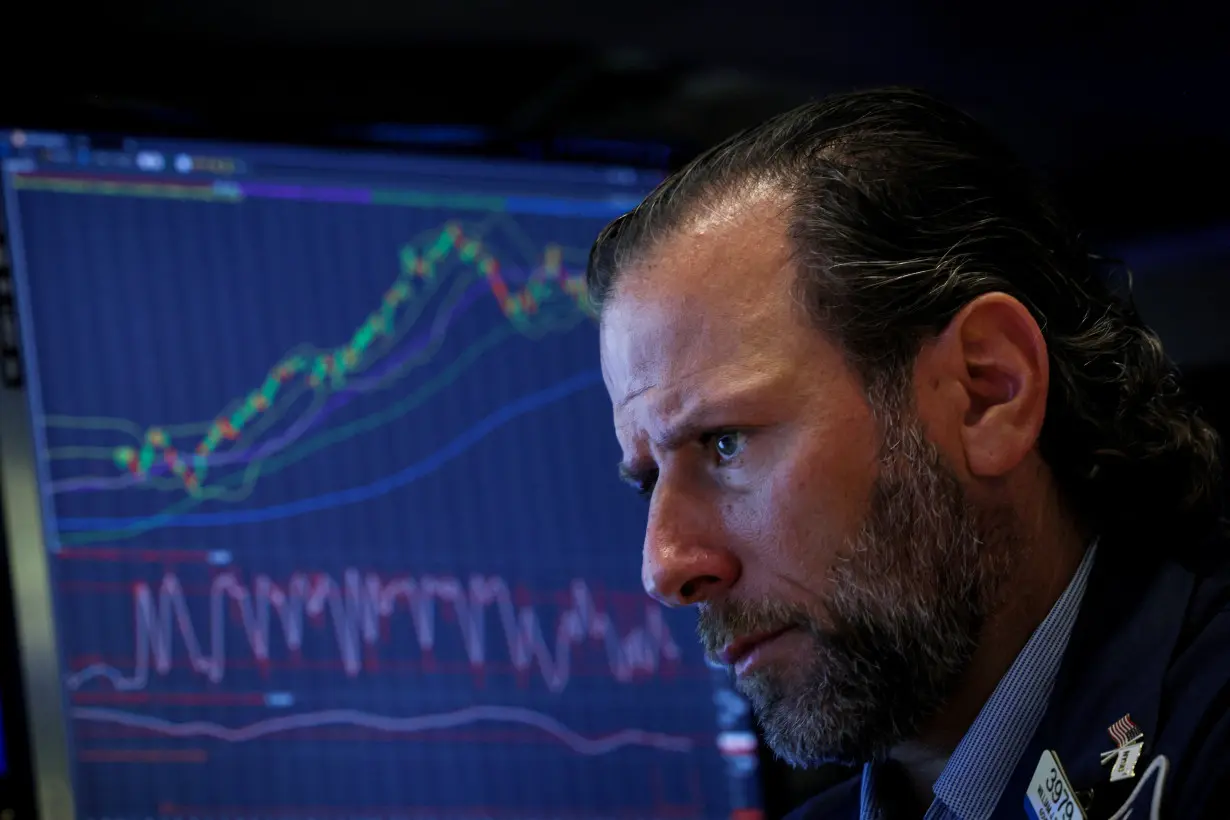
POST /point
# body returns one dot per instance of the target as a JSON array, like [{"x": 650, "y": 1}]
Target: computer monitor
[{"x": 310, "y": 495}]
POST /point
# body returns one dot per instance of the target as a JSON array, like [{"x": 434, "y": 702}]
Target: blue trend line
[{"x": 338, "y": 498}]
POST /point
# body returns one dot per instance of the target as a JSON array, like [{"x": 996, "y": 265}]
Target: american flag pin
[{"x": 1129, "y": 743}]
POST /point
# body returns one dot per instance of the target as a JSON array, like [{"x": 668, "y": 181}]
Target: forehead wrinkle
[
  {"x": 712, "y": 314},
  {"x": 697, "y": 341},
  {"x": 729, "y": 393},
  {"x": 703, "y": 327}
]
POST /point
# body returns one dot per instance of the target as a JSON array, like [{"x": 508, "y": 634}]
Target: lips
[{"x": 740, "y": 648}]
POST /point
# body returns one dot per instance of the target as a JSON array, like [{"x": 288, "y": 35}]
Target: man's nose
[{"x": 685, "y": 560}]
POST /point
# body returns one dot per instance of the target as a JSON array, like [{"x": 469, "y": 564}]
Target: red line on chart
[
  {"x": 422, "y": 812},
  {"x": 596, "y": 668},
  {"x": 138, "y": 556},
  {"x": 359, "y": 606},
  {"x": 398, "y": 725},
  {"x": 174, "y": 698}
]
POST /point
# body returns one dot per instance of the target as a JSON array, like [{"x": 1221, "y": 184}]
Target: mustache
[{"x": 719, "y": 623}]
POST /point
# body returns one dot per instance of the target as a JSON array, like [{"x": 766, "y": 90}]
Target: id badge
[{"x": 1050, "y": 795}]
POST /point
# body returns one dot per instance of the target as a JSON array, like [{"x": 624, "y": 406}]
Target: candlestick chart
[
  {"x": 283, "y": 418},
  {"x": 332, "y": 518}
]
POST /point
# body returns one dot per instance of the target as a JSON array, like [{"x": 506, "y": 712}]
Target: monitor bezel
[
  {"x": 102, "y": 118},
  {"x": 36, "y": 673},
  {"x": 17, "y": 778}
]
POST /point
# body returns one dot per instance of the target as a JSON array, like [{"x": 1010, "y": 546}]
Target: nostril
[{"x": 692, "y": 588}]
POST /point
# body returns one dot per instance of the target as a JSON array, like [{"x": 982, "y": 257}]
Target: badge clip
[{"x": 1129, "y": 743}]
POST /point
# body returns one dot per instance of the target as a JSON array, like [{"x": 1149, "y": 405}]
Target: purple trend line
[
  {"x": 590, "y": 746},
  {"x": 297, "y": 430}
]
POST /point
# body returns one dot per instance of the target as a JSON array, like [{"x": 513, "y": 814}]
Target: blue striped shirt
[{"x": 974, "y": 779}]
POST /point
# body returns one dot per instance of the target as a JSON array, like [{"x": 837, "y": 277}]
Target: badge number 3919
[{"x": 1050, "y": 795}]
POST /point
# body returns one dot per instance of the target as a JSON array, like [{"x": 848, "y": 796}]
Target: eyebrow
[
  {"x": 688, "y": 424},
  {"x": 638, "y": 471}
]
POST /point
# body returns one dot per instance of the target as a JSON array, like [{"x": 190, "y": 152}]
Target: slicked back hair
[{"x": 902, "y": 210}]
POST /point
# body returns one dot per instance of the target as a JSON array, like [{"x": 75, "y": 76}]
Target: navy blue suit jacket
[{"x": 1152, "y": 640}]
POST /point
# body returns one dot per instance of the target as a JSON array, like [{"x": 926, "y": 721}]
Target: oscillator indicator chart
[{"x": 331, "y": 514}]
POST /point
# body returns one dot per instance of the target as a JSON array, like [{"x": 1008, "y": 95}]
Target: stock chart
[{"x": 333, "y": 524}]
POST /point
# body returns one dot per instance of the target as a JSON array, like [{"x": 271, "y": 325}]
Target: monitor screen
[{"x": 329, "y": 500}]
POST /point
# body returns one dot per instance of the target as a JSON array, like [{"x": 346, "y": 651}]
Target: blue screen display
[{"x": 331, "y": 507}]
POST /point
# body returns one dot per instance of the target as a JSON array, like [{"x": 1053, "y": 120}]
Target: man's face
[{"x": 836, "y": 561}]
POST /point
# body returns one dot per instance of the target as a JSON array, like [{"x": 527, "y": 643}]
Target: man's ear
[{"x": 993, "y": 366}]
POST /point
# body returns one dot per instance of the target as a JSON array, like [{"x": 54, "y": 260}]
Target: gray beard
[{"x": 910, "y": 595}]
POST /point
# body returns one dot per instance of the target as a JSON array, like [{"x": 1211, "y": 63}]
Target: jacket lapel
[{"x": 1116, "y": 658}]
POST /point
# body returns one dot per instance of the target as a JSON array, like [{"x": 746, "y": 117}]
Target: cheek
[
  {"x": 836, "y": 470},
  {"x": 803, "y": 511}
]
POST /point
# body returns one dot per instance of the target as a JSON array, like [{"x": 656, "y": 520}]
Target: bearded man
[{"x": 927, "y": 476}]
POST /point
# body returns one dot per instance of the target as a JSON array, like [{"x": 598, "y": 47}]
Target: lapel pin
[{"x": 1129, "y": 743}]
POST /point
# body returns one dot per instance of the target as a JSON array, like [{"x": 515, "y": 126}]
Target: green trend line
[{"x": 275, "y": 464}]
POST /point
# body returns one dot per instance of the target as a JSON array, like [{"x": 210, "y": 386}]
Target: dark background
[
  {"x": 1123, "y": 103},
  {"x": 1122, "y": 106}
]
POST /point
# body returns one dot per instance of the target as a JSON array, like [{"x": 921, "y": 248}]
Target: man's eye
[{"x": 728, "y": 445}]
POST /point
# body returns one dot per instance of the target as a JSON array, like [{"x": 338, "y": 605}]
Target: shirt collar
[
  {"x": 974, "y": 779},
  {"x": 976, "y": 775}
]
